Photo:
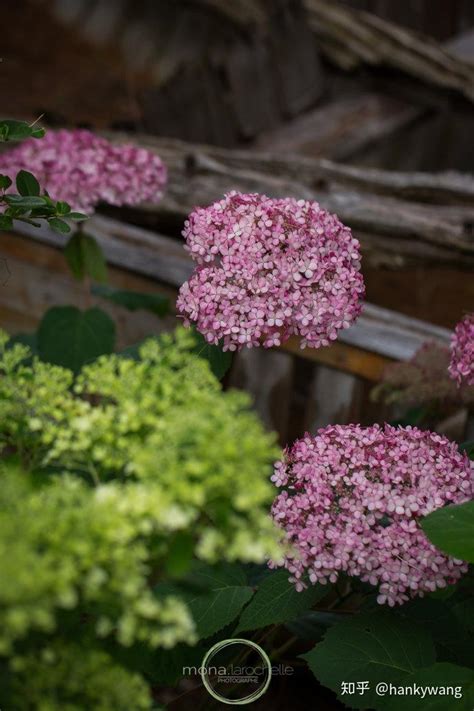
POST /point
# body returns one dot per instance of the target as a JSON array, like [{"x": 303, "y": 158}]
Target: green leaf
[
  {"x": 5, "y": 182},
  {"x": 215, "y": 595},
  {"x": 312, "y": 625},
  {"x": 210, "y": 577},
  {"x": 277, "y": 600},
  {"x": 85, "y": 257},
  {"x": 437, "y": 677},
  {"x": 133, "y": 300},
  {"x": 219, "y": 360},
  {"x": 26, "y": 202},
  {"x": 63, "y": 208},
  {"x": 38, "y": 132},
  {"x": 78, "y": 216},
  {"x": 375, "y": 647},
  {"x": 6, "y": 222},
  {"x": 451, "y": 529},
  {"x": 11, "y": 130},
  {"x": 464, "y": 612},
  {"x": 224, "y": 600},
  {"x": 160, "y": 666},
  {"x": 69, "y": 337},
  {"x": 167, "y": 665},
  {"x": 413, "y": 416},
  {"x": 468, "y": 447},
  {"x": 445, "y": 622},
  {"x": 59, "y": 225},
  {"x": 26, "y": 183}
]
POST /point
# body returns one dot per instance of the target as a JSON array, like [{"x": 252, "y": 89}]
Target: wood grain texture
[
  {"x": 352, "y": 37},
  {"x": 334, "y": 397}
]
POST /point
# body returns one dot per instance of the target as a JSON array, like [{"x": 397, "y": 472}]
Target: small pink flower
[
  {"x": 83, "y": 169},
  {"x": 351, "y": 502},
  {"x": 268, "y": 269},
  {"x": 461, "y": 367}
]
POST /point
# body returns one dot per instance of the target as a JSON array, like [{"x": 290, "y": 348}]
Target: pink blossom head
[
  {"x": 461, "y": 367},
  {"x": 83, "y": 169},
  {"x": 351, "y": 502},
  {"x": 268, "y": 269}
]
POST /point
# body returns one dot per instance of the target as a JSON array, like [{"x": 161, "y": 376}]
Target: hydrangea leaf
[
  {"x": 468, "y": 447},
  {"x": 464, "y": 611},
  {"x": 165, "y": 667},
  {"x": 277, "y": 601},
  {"x": 375, "y": 647},
  {"x": 452, "y": 530},
  {"x": 219, "y": 360},
  {"x": 71, "y": 338},
  {"x": 215, "y": 609},
  {"x": 446, "y": 622},
  {"x": 436, "y": 678},
  {"x": 312, "y": 624},
  {"x": 85, "y": 257},
  {"x": 133, "y": 300},
  {"x": 219, "y": 594}
]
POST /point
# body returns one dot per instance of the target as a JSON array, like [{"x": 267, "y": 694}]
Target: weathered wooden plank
[
  {"x": 463, "y": 45},
  {"x": 295, "y": 57},
  {"x": 438, "y": 187},
  {"x": 340, "y": 356},
  {"x": 142, "y": 251},
  {"x": 268, "y": 377},
  {"x": 342, "y": 127},
  {"x": 249, "y": 66},
  {"x": 351, "y": 37},
  {"x": 391, "y": 334},
  {"x": 442, "y": 187},
  {"x": 333, "y": 397}
]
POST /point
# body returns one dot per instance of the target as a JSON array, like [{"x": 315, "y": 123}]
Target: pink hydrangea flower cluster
[
  {"x": 269, "y": 268},
  {"x": 351, "y": 502},
  {"x": 83, "y": 169},
  {"x": 461, "y": 367}
]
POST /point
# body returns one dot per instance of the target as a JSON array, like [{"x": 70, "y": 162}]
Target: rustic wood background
[{"x": 365, "y": 106}]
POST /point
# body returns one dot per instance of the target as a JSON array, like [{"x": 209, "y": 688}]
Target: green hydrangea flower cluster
[
  {"x": 110, "y": 482},
  {"x": 65, "y": 545},
  {"x": 74, "y": 677}
]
